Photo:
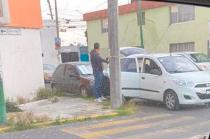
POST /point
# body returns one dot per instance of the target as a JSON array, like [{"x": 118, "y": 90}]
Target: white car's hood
[{"x": 196, "y": 77}]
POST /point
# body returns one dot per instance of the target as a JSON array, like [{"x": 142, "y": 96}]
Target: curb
[{"x": 8, "y": 128}]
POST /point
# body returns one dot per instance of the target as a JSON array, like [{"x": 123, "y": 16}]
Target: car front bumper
[{"x": 194, "y": 96}]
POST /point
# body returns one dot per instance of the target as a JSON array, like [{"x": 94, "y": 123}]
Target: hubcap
[{"x": 170, "y": 101}]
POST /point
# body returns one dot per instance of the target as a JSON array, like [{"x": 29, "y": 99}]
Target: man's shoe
[
  {"x": 103, "y": 98},
  {"x": 98, "y": 100}
]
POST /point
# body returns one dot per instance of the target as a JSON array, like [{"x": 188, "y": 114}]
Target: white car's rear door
[{"x": 130, "y": 77}]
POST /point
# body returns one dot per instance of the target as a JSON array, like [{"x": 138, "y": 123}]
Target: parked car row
[{"x": 174, "y": 79}]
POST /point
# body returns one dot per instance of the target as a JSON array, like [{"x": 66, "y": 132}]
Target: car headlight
[
  {"x": 183, "y": 83},
  {"x": 203, "y": 67}
]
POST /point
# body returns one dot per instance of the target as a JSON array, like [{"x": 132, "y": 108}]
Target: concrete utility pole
[
  {"x": 50, "y": 8},
  {"x": 56, "y": 18},
  {"x": 140, "y": 24},
  {"x": 115, "y": 85}
]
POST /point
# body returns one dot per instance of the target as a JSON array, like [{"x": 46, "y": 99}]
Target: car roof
[
  {"x": 185, "y": 52},
  {"x": 123, "y": 48},
  {"x": 157, "y": 55}
]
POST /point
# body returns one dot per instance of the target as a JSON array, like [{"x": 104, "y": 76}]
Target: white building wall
[
  {"x": 48, "y": 34},
  {"x": 22, "y": 63}
]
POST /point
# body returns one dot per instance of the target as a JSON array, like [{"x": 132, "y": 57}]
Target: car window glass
[
  {"x": 128, "y": 65},
  {"x": 140, "y": 63},
  {"x": 60, "y": 70},
  {"x": 177, "y": 64},
  {"x": 70, "y": 70},
  {"x": 150, "y": 65},
  {"x": 49, "y": 67},
  {"x": 200, "y": 58}
]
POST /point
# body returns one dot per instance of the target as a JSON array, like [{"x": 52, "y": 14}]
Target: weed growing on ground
[
  {"x": 21, "y": 121},
  {"x": 48, "y": 94},
  {"x": 127, "y": 109},
  {"x": 43, "y": 94},
  {"x": 25, "y": 120},
  {"x": 11, "y": 106},
  {"x": 22, "y": 100}
]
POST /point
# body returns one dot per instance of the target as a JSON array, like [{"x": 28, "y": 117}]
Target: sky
[{"x": 73, "y": 9}]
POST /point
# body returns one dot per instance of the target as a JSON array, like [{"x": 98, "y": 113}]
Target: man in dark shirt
[{"x": 97, "y": 65}]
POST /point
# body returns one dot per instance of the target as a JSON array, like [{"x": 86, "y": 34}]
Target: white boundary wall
[{"x": 21, "y": 58}]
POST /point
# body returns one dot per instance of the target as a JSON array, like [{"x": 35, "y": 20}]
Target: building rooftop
[{"x": 124, "y": 9}]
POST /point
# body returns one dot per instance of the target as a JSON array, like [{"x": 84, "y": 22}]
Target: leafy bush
[{"x": 12, "y": 107}]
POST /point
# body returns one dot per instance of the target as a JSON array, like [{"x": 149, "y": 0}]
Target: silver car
[{"x": 200, "y": 59}]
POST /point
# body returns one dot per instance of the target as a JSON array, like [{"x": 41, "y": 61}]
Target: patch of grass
[
  {"x": 43, "y": 94},
  {"x": 21, "y": 121},
  {"x": 47, "y": 94},
  {"x": 128, "y": 108},
  {"x": 12, "y": 106},
  {"x": 24, "y": 120},
  {"x": 106, "y": 105}
]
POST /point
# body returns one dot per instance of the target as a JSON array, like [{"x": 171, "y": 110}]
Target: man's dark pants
[{"x": 98, "y": 75}]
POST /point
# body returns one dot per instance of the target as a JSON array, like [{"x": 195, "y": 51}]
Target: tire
[
  {"x": 53, "y": 87},
  {"x": 125, "y": 99},
  {"x": 171, "y": 101},
  {"x": 84, "y": 92}
]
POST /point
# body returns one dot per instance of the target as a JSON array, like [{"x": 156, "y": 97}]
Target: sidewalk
[{"x": 66, "y": 107}]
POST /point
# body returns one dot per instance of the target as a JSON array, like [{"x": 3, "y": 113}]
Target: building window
[
  {"x": 143, "y": 18},
  {"x": 182, "y": 13},
  {"x": 182, "y": 47},
  {"x": 104, "y": 25}
]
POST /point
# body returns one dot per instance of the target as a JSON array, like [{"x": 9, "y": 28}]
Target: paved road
[{"x": 152, "y": 121}]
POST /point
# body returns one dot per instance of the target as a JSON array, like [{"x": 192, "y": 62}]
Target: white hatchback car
[{"x": 172, "y": 79}]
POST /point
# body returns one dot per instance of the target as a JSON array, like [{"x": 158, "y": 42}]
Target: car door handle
[{"x": 143, "y": 78}]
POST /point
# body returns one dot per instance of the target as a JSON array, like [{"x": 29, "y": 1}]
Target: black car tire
[
  {"x": 84, "y": 92},
  {"x": 53, "y": 87},
  {"x": 125, "y": 99},
  {"x": 171, "y": 100}
]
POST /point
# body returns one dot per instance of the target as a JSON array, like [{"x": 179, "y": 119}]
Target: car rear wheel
[
  {"x": 125, "y": 99},
  {"x": 171, "y": 100},
  {"x": 83, "y": 91},
  {"x": 53, "y": 87}
]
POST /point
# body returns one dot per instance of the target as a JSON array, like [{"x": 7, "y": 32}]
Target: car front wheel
[{"x": 171, "y": 100}]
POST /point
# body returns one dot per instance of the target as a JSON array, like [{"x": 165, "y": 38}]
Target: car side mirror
[{"x": 156, "y": 72}]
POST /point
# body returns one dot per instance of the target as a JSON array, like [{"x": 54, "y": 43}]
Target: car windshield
[
  {"x": 49, "y": 67},
  {"x": 200, "y": 58},
  {"x": 177, "y": 64},
  {"x": 85, "y": 69},
  {"x": 132, "y": 51}
]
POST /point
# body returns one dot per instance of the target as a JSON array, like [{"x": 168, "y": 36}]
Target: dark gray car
[{"x": 76, "y": 77}]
